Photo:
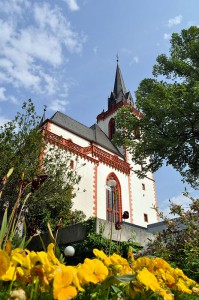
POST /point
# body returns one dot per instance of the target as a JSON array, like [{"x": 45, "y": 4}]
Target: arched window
[
  {"x": 113, "y": 200},
  {"x": 111, "y": 128}
]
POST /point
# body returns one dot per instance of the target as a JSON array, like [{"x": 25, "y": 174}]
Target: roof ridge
[{"x": 70, "y": 118}]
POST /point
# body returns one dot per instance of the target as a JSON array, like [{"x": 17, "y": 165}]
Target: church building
[{"x": 108, "y": 175}]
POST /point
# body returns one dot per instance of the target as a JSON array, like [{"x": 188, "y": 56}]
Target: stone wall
[{"x": 128, "y": 232}]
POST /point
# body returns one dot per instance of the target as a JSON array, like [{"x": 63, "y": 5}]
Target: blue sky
[{"x": 62, "y": 53}]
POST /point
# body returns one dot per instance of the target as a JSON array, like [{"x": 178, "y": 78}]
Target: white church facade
[{"x": 98, "y": 161}]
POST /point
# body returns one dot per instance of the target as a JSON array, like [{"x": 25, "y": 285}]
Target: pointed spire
[
  {"x": 119, "y": 85},
  {"x": 119, "y": 93},
  {"x": 44, "y": 115}
]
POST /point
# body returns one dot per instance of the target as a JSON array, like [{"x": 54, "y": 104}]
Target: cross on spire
[{"x": 44, "y": 115}]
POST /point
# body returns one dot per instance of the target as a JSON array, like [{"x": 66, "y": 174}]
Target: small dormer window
[{"x": 111, "y": 128}]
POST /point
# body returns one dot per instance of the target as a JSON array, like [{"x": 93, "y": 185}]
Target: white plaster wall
[
  {"x": 68, "y": 135},
  {"x": 103, "y": 124},
  {"x": 84, "y": 196},
  {"x": 103, "y": 172},
  {"x": 143, "y": 201}
]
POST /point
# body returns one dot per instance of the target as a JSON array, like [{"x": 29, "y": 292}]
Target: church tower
[{"x": 141, "y": 192}]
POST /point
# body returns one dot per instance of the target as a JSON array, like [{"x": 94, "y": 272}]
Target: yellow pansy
[
  {"x": 10, "y": 274},
  {"x": 182, "y": 287},
  {"x": 51, "y": 254},
  {"x": 148, "y": 279},
  {"x": 130, "y": 254},
  {"x": 63, "y": 287},
  {"x": 166, "y": 295},
  {"x": 100, "y": 254},
  {"x": 23, "y": 262},
  {"x": 92, "y": 270},
  {"x": 120, "y": 264},
  {"x": 4, "y": 262},
  {"x": 144, "y": 262},
  {"x": 170, "y": 280},
  {"x": 180, "y": 273},
  {"x": 162, "y": 264}
]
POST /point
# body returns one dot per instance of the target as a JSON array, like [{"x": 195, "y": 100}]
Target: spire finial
[
  {"x": 44, "y": 115},
  {"x": 117, "y": 57}
]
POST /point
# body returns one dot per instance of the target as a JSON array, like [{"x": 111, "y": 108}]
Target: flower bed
[{"x": 33, "y": 275}]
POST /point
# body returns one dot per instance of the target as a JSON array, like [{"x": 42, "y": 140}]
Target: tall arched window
[
  {"x": 111, "y": 128},
  {"x": 113, "y": 200}
]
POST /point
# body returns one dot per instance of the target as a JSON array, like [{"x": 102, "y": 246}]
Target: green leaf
[
  {"x": 125, "y": 278},
  {"x": 4, "y": 226}
]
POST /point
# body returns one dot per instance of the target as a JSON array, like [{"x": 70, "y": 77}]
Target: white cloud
[
  {"x": 72, "y": 4},
  {"x": 126, "y": 50},
  {"x": 95, "y": 50},
  {"x": 54, "y": 23},
  {"x": 179, "y": 199},
  {"x": 58, "y": 105},
  {"x": 135, "y": 60},
  {"x": 14, "y": 6},
  {"x": 3, "y": 120},
  {"x": 34, "y": 46},
  {"x": 2, "y": 94},
  {"x": 167, "y": 36},
  {"x": 174, "y": 21}
]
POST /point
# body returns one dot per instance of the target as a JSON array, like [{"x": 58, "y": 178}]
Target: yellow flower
[
  {"x": 100, "y": 254},
  {"x": 170, "y": 280},
  {"x": 4, "y": 262},
  {"x": 119, "y": 264},
  {"x": 64, "y": 278},
  {"x": 10, "y": 274},
  {"x": 162, "y": 264},
  {"x": 166, "y": 295},
  {"x": 130, "y": 254},
  {"x": 144, "y": 262},
  {"x": 180, "y": 273},
  {"x": 51, "y": 254},
  {"x": 22, "y": 260},
  {"x": 92, "y": 270},
  {"x": 182, "y": 287},
  {"x": 148, "y": 279}
]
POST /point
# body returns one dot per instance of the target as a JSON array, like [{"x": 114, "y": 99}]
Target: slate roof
[
  {"x": 119, "y": 85},
  {"x": 92, "y": 134}
]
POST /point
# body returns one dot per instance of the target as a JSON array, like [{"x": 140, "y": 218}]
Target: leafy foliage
[
  {"x": 42, "y": 174},
  {"x": 94, "y": 240},
  {"x": 179, "y": 243},
  {"x": 170, "y": 105}
]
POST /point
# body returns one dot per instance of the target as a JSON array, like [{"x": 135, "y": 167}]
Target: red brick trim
[
  {"x": 155, "y": 196},
  {"x": 68, "y": 145},
  {"x": 95, "y": 191},
  {"x": 48, "y": 126},
  {"x": 120, "y": 104},
  {"x": 130, "y": 195},
  {"x": 102, "y": 156},
  {"x": 111, "y": 160}
]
